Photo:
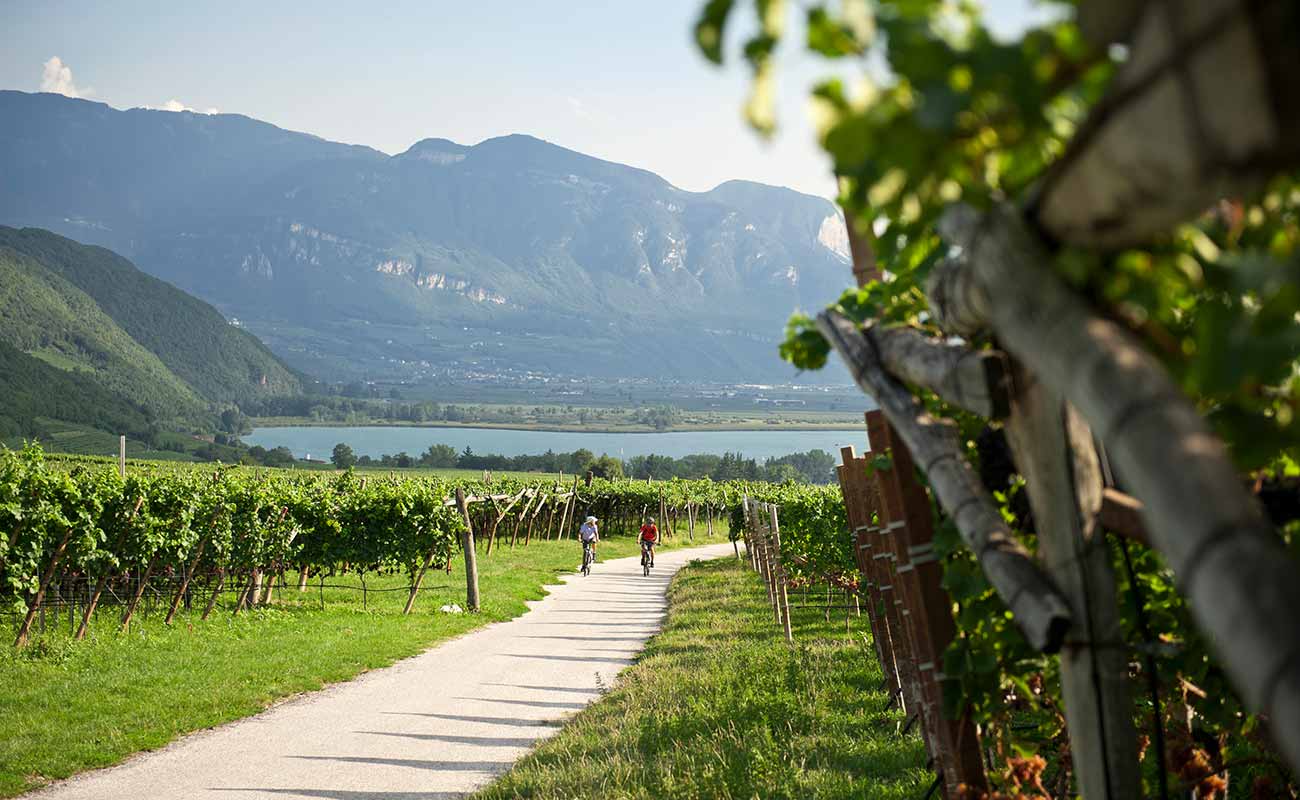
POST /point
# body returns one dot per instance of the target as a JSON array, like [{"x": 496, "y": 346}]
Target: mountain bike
[
  {"x": 645, "y": 560},
  {"x": 588, "y": 556}
]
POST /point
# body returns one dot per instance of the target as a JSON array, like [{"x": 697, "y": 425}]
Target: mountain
[
  {"x": 510, "y": 255},
  {"x": 221, "y": 363},
  {"x": 89, "y": 339}
]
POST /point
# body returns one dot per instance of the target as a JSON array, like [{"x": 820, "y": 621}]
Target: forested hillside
[
  {"x": 92, "y": 341},
  {"x": 222, "y": 363},
  {"x": 46, "y": 316},
  {"x": 31, "y": 389}
]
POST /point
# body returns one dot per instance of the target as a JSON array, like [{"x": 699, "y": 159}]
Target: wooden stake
[
  {"x": 26, "y": 627},
  {"x": 216, "y": 592},
  {"x": 185, "y": 582},
  {"x": 471, "y": 558},
  {"x": 780, "y": 574},
  {"x": 1053, "y": 449},
  {"x": 419, "y": 578},
  {"x": 139, "y": 591}
]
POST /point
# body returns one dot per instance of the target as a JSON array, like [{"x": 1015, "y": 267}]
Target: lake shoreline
[
  {"x": 265, "y": 423},
  {"x": 378, "y": 440}
]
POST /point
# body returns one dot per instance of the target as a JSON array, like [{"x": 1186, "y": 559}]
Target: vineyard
[{"x": 78, "y": 536}]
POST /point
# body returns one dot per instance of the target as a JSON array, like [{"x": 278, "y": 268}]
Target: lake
[{"x": 374, "y": 441}]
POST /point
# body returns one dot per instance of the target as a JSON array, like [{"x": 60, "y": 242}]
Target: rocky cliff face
[{"x": 290, "y": 232}]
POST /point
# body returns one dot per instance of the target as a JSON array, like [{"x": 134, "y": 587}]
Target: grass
[
  {"x": 720, "y": 706},
  {"x": 68, "y": 706}
]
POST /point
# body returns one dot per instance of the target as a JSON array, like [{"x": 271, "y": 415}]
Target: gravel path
[{"x": 438, "y": 725}]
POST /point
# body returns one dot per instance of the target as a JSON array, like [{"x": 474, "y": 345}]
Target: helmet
[
  {"x": 652, "y": 520},
  {"x": 591, "y": 519}
]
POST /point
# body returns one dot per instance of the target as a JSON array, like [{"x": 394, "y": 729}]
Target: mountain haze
[{"x": 511, "y": 254}]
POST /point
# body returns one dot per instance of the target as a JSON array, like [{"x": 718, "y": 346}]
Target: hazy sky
[{"x": 618, "y": 79}]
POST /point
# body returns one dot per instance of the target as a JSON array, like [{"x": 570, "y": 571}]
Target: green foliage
[
  {"x": 220, "y": 362},
  {"x": 41, "y": 313},
  {"x": 964, "y": 117},
  {"x": 343, "y": 457}
]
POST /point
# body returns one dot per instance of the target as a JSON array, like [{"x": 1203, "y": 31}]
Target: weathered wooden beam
[
  {"x": 1239, "y": 578},
  {"x": 954, "y": 743},
  {"x": 1040, "y": 612},
  {"x": 974, "y": 380},
  {"x": 1054, "y": 450},
  {"x": 1206, "y": 106}
]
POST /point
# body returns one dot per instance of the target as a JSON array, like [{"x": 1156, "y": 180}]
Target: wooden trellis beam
[
  {"x": 1040, "y": 611},
  {"x": 1229, "y": 562},
  {"x": 975, "y": 380},
  {"x": 1206, "y": 106}
]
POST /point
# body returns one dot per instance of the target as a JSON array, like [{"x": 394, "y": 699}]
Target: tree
[
  {"x": 439, "y": 455},
  {"x": 279, "y": 457},
  {"x": 343, "y": 457},
  {"x": 606, "y": 467}
]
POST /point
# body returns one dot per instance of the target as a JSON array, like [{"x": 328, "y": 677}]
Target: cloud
[
  {"x": 176, "y": 105},
  {"x": 57, "y": 77}
]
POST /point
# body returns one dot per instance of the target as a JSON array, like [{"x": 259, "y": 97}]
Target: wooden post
[
  {"x": 954, "y": 742},
  {"x": 1053, "y": 449},
  {"x": 528, "y": 535},
  {"x": 780, "y": 574},
  {"x": 216, "y": 592},
  {"x": 26, "y": 627},
  {"x": 471, "y": 558},
  {"x": 514, "y": 529},
  {"x": 415, "y": 585},
  {"x": 139, "y": 591},
  {"x": 185, "y": 582},
  {"x": 121, "y": 456},
  {"x": 860, "y": 508},
  {"x": 550, "y": 518}
]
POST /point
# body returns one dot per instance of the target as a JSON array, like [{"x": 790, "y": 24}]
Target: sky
[{"x": 616, "y": 79}]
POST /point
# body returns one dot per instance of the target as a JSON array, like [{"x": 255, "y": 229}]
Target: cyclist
[
  {"x": 649, "y": 537},
  {"x": 589, "y": 534}
]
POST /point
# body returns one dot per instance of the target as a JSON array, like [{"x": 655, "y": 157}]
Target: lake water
[{"x": 375, "y": 441}]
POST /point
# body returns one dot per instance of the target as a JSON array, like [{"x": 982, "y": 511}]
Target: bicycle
[
  {"x": 645, "y": 559},
  {"x": 588, "y": 556}
]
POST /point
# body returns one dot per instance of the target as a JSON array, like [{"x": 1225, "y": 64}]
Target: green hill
[
  {"x": 222, "y": 363},
  {"x": 47, "y": 317},
  {"x": 31, "y": 389}
]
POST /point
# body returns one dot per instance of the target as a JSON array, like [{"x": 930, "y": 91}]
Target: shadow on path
[
  {"x": 485, "y": 741},
  {"x": 416, "y": 763},
  {"x": 520, "y": 723}
]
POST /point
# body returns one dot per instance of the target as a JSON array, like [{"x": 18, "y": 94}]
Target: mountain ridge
[{"x": 353, "y": 263}]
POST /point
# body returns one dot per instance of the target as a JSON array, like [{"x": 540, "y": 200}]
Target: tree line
[{"x": 813, "y": 466}]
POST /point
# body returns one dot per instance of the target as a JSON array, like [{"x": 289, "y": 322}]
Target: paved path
[{"x": 434, "y": 726}]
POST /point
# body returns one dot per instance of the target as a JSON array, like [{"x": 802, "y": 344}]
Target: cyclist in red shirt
[{"x": 649, "y": 537}]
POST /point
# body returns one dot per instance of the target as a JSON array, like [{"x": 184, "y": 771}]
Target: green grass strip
[
  {"x": 68, "y": 706},
  {"x": 719, "y": 706}
]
